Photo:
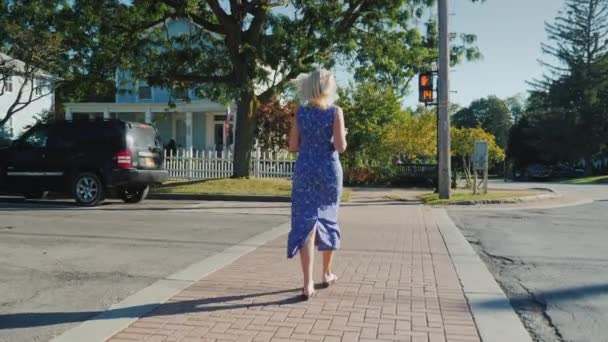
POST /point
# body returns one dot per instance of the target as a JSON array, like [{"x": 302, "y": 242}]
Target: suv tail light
[{"x": 123, "y": 159}]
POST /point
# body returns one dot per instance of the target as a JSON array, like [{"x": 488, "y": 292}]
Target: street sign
[
  {"x": 480, "y": 156},
  {"x": 425, "y": 87},
  {"x": 480, "y": 163}
]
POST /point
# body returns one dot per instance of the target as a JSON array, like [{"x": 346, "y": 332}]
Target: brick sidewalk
[{"x": 397, "y": 283}]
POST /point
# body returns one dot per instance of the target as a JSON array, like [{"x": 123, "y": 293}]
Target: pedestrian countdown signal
[{"x": 425, "y": 87}]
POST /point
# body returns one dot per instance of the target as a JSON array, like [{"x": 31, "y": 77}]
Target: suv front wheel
[
  {"x": 134, "y": 195},
  {"x": 87, "y": 189}
]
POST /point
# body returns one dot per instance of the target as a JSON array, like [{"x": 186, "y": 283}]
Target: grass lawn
[
  {"x": 588, "y": 180},
  {"x": 467, "y": 195},
  {"x": 229, "y": 186}
]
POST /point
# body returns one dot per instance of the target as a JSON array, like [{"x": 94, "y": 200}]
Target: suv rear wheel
[
  {"x": 134, "y": 195},
  {"x": 88, "y": 189}
]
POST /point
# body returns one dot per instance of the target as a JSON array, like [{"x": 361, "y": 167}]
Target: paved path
[{"x": 397, "y": 283}]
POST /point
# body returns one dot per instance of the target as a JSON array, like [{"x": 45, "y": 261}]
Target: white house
[
  {"x": 199, "y": 124},
  {"x": 43, "y": 97}
]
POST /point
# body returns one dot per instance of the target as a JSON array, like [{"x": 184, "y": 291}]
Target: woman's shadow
[{"x": 38, "y": 319}]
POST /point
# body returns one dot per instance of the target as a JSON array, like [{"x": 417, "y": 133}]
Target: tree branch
[
  {"x": 254, "y": 32},
  {"x": 222, "y": 16},
  {"x": 270, "y": 92},
  {"x": 207, "y": 25},
  {"x": 354, "y": 10}
]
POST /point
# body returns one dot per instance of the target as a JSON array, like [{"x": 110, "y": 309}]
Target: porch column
[
  {"x": 224, "y": 133},
  {"x": 188, "y": 130},
  {"x": 68, "y": 114},
  {"x": 148, "y": 118},
  {"x": 106, "y": 113},
  {"x": 173, "y": 127}
]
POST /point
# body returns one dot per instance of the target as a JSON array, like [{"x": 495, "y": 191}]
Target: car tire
[
  {"x": 134, "y": 195},
  {"x": 34, "y": 194},
  {"x": 88, "y": 189}
]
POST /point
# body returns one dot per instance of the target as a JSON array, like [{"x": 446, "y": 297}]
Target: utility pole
[{"x": 443, "y": 102}]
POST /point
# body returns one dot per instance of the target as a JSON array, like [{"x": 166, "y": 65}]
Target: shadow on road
[
  {"x": 555, "y": 296},
  {"x": 35, "y": 319}
]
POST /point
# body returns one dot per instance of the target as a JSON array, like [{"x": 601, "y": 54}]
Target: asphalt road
[
  {"x": 75, "y": 261},
  {"x": 553, "y": 263}
]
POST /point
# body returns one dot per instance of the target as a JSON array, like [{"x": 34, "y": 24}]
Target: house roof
[{"x": 17, "y": 65}]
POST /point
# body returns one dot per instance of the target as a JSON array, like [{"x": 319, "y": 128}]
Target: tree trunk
[
  {"x": 467, "y": 171},
  {"x": 245, "y": 127}
]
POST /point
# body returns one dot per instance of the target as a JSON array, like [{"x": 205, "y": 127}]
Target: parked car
[
  {"x": 561, "y": 171},
  {"x": 538, "y": 172},
  {"x": 88, "y": 159}
]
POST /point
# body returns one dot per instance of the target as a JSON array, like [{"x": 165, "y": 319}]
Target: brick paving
[{"x": 397, "y": 283}]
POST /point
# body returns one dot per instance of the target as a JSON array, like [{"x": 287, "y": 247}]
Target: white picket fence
[{"x": 198, "y": 165}]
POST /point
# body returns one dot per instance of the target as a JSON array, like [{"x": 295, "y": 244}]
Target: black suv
[{"x": 89, "y": 159}]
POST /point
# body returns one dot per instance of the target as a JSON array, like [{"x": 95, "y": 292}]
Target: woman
[{"x": 318, "y": 134}]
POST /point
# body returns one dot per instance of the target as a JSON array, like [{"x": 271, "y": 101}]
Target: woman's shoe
[{"x": 329, "y": 279}]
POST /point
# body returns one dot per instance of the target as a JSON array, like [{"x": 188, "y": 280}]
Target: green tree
[
  {"x": 491, "y": 114},
  {"x": 251, "y": 50},
  {"x": 517, "y": 106},
  {"x": 573, "y": 87},
  {"x": 413, "y": 137},
  {"x": 463, "y": 146},
  {"x": 369, "y": 109},
  {"x": 98, "y": 36}
]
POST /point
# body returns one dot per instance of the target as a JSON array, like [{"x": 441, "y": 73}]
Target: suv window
[
  {"x": 61, "y": 137},
  {"x": 36, "y": 138},
  {"x": 144, "y": 136}
]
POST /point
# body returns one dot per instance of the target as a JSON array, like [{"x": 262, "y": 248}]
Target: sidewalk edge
[
  {"x": 109, "y": 323},
  {"x": 491, "y": 309}
]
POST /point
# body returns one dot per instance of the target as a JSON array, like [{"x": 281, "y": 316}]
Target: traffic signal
[{"x": 425, "y": 87}]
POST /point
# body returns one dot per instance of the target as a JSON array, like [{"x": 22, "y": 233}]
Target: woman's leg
[
  {"x": 328, "y": 277},
  {"x": 327, "y": 257},
  {"x": 307, "y": 259}
]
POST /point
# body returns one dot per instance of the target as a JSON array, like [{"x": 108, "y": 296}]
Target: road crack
[{"x": 541, "y": 306}]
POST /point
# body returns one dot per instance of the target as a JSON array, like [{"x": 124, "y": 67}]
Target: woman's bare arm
[
  {"x": 339, "y": 131},
  {"x": 294, "y": 136}
]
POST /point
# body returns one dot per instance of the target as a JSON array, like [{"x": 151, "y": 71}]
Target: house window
[
  {"x": 8, "y": 84},
  {"x": 38, "y": 86},
  {"x": 180, "y": 93},
  {"x": 144, "y": 91}
]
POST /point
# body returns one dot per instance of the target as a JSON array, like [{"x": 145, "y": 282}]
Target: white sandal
[
  {"x": 307, "y": 295},
  {"x": 329, "y": 279}
]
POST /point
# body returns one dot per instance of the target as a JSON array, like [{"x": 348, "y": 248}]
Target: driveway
[
  {"x": 551, "y": 262},
  {"x": 58, "y": 258}
]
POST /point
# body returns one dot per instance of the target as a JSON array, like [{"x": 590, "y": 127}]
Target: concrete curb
[
  {"x": 121, "y": 315},
  {"x": 513, "y": 200},
  {"x": 540, "y": 206},
  {"x": 218, "y": 197},
  {"x": 492, "y": 311}
]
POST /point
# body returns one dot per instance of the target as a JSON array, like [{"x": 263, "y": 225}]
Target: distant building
[{"x": 43, "y": 97}]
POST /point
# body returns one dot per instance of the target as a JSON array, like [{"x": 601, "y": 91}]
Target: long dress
[{"x": 317, "y": 182}]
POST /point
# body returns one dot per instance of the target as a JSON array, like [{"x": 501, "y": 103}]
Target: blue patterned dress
[{"x": 317, "y": 182}]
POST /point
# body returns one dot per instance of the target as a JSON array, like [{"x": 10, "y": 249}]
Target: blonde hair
[{"x": 317, "y": 88}]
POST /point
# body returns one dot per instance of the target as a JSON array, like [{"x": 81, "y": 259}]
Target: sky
[{"x": 509, "y": 35}]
